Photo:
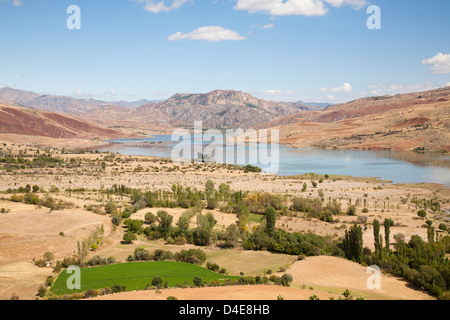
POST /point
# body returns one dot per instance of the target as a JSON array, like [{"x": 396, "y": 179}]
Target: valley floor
[{"x": 28, "y": 231}]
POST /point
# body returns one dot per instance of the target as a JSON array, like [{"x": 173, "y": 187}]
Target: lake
[{"x": 395, "y": 166}]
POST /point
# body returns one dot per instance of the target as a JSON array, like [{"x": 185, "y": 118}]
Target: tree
[
  {"x": 150, "y": 218},
  {"x": 165, "y": 223},
  {"x": 377, "y": 237},
  {"x": 231, "y": 236},
  {"x": 271, "y": 218},
  {"x": 430, "y": 234},
  {"x": 205, "y": 225},
  {"x": 422, "y": 214},
  {"x": 387, "y": 232},
  {"x": 183, "y": 225},
  {"x": 111, "y": 208},
  {"x": 353, "y": 243},
  {"x": 129, "y": 237},
  {"x": 209, "y": 187},
  {"x": 286, "y": 280}
]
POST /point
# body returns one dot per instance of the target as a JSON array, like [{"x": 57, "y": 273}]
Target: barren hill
[
  {"x": 402, "y": 122},
  {"x": 217, "y": 109},
  {"x": 23, "y": 121},
  {"x": 221, "y": 109}
]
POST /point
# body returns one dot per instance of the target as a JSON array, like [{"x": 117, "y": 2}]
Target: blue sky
[{"x": 310, "y": 50}]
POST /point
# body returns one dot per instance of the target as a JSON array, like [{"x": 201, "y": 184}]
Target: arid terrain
[
  {"x": 28, "y": 231},
  {"x": 402, "y": 122}
]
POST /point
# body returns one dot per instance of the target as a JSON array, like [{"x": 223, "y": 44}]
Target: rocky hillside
[
  {"x": 23, "y": 121},
  {"x": 411, "y": 121},
  {"x": 217, "y": 109},
  {"x": 221, "y": 109}
]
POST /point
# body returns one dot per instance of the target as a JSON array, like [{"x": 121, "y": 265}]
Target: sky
[{"x": 283, "y": 50}]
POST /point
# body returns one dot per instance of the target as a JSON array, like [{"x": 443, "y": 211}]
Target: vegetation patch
[{"x": 137, "y": 276}]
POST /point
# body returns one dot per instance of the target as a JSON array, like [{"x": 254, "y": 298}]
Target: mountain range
[
  {"x": 217, "y": 109},
  {"x": 419, "y": 120}
]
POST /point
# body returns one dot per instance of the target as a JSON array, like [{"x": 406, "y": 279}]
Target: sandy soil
[
  {"x": 223, "y": 293},
  {"x": 27, "y": 232},
  {"x": 337, "y": 274}
]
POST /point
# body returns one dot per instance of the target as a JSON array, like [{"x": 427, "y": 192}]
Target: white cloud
[
  {"x": 398, "y": 88},
  {"x": 277, "y": 92},
  {"x": 447, "y": 84},
  {"x": 268, "y": 26},
  {"x": 357, "y": 4},
  {"x": 262, "y": 27},
  {"x": 295, "y": 7},
  {"x": 94, "y": 95},
  {"x": 16, "y": 3},
  {"x": 346, "y": 87},
  {"x": 323, "y": 89},
  {"x": 210, "y": 33},
  {"x": 440, "y": 62},
  {"x": 156, "y": 6}
]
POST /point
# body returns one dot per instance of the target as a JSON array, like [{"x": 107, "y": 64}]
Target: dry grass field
[{"x": 28, "y": 231}]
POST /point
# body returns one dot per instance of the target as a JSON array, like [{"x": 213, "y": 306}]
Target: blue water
[{"x": 395, "y": 166}]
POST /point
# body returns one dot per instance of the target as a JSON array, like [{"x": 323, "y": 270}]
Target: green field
[{"x": 136, "y": 276}]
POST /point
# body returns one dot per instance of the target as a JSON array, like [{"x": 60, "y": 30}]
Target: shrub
[
  {"x": 443, "y": 227},
  {"x": 422, "y": 213},
  {"x": 116, "y": 220},
  {"x": 42, "y": 291},
  {"x": 213, "y": 266},
  {"x": 194, "y": 256},
  {"x": 118, "y": 288},
  {"x": 158, "y": 282},
  {"x": 48, "y": 256},
  {"x": 286, "y": 280},
  {"x": 128, "y": 238},
  {"x": 198, "y": 281},
  {"x": 351, "y": 210},
  {"x": 49, "y": 281},
  {"x": 111, "y": 208}
]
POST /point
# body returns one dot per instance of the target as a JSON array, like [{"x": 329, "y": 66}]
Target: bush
[
  {"x": 286, "y": 280},
  {"x": 42, "y": 291},
  {"x": 194, "y": 256},
  {"x": 351, "y": 210},
  {"x": 128, "y": 238},
  {"x": 422, "y": 213},
  {"x": 443, "y": 227},
  {"x": 48, "y": 256},
  {"x": 116, "y": 220},
  {"x": 198, "y": 282},
  {"x": 118, "y": 288},
  {"x": 111, "y": 208},
  {"x": 49, "y": 281},
  {"x": 213, "y": 266},
  {"x": 158, "y": 282}
]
